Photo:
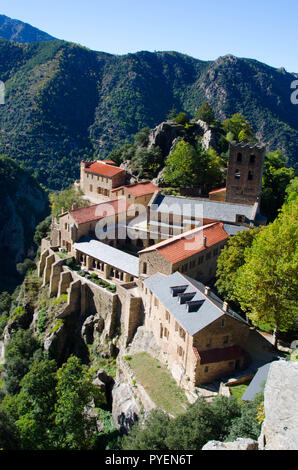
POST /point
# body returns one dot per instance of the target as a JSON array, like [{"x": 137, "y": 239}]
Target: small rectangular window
[{"x": 225, "y": 340}]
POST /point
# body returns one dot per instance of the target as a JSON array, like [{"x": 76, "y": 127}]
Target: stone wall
[
  {"x": 244, "y": 177},
  {"x": 89, "y": 183},
  {"x": 87, "y": 298},
  {"x": 201, "y": 266},
  {"x": 131, "y": 307}
]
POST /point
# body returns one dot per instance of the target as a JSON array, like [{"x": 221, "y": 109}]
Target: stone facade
[
  {"x": 245, "y": 171},
  {"x": 201, "y": 266},
  {"x": 180, "y": 347},
  {"x": 134, "y": 194},
  {"x": 223, "y": 333},
  {"x": 99, "y": 185},
  {"x": 67, "y": 230}
]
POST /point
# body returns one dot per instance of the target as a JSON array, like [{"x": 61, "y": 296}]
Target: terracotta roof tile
[
  {"x": 104, "y": 169},
  {"x": 218, "y": 355},
  {"x": 99, "y": 211},
  {"x": 218, "y": 190},
  {"x": 139, "y": 189},
  {"x": 189, "y": 243}
]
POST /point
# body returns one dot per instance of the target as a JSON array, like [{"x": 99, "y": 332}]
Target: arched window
[
  {"x": 250, "y": 176},
  {"x": 239, "y": 157},
  {"x": 252, "y": 159},
  {"x": 237, "y": 175}
]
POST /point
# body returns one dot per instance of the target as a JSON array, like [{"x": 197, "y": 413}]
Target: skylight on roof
[
  {"x": 176, "y": 290},
  {"x": 194, "y": 305}
]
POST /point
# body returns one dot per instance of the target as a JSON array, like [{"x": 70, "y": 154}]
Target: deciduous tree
[{"x": 267, "y": 283}]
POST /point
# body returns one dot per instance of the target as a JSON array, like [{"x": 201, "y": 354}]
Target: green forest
[{"x": 65, "y": 103}]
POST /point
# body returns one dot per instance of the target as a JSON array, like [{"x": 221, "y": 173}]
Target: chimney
[
  {"x": 204, "y": 241},
  {"x": 207, "y": 290},
  {"x": 225, "y": 306}
]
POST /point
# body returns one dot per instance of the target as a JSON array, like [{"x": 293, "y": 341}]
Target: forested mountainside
[
  {"x": 23, "y": 205},
  {"x": 65, "y": 102},
  {"x": 19, "y": 31}
]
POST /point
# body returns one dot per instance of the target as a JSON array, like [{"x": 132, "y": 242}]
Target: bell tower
[{"x": 245, "y": 171}]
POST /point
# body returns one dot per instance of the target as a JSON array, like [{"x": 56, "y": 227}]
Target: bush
[
  {"x": 42, "y": 230},
  {"x": 27, "y": 265},
  {"x": 181, "y": 118},
  {"x": 19, "y": 354}
]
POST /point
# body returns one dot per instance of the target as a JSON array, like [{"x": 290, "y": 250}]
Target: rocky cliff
[
  {"x": 23, "y": 205},
  {"x": 280, "y": 427}
]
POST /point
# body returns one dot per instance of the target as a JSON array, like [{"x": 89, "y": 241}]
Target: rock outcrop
[
  {"x": 239, "y": 444},
  {"x": 126, "y": 407},
  {"x": 280, "y": 426},
  {"x": 163, "y": 136}
]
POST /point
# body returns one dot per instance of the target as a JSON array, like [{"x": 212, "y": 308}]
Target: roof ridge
[
  {"x": 231, "y": 314},
  {"x": 180, "y": 236},
  {"x": 94, "y": 205}
]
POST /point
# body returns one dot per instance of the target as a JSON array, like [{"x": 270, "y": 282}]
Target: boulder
[
  {"x": 280, "y": 427},
  {"x": 88, "y": 330},
  {"x": 126, "y": 408},
  {"x": 239, "y": 444},
  {"x": 163, "y": 136}
]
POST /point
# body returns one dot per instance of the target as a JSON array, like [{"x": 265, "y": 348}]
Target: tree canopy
[
  {"x": 231, "y": 258},
  {"x": 190, "y": 166},
  {"x": 205, "y": 113},
  {"x": 202, "y": 421},
  {"x": 238, "y": 128},
  {"x": 276, "y": 177}
]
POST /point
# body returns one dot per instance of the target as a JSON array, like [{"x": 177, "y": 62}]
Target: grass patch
[
  {"x": 159, "y": 383},
  {"x": 109, "y": 364}
]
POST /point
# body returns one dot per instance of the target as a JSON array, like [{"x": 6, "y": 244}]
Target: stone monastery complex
[{"x": 138, "y": 258}]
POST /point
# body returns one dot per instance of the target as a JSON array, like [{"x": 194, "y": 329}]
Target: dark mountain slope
[
  {"x": 18, "y": 31},
  {"x": 23, "y": 205},
  {"x": 65, "y": 102}
]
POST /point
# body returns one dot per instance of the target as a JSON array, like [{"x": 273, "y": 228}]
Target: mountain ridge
[
  {"x": 16, "y": 30},
  {"x": 65, "y": 102}
]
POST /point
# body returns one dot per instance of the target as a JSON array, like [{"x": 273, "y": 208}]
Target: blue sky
[{"x": 265, "y": 30}]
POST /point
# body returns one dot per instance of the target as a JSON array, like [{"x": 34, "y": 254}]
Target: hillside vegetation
[
  {"x": 23, "y": 205},
  {"x": 65, "y": 102},
  {"x": 19, "y": 31}
]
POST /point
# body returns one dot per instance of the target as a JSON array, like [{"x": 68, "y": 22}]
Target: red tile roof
[
  {"x": 219, "y": 355},
  {"x": 103, "y": 169},
  {"x": 139, "y": 189},
  {"x": 189, "y": 243},
  {"x": 218, "y": 190},
  {"x": 99, "y": 211}
]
